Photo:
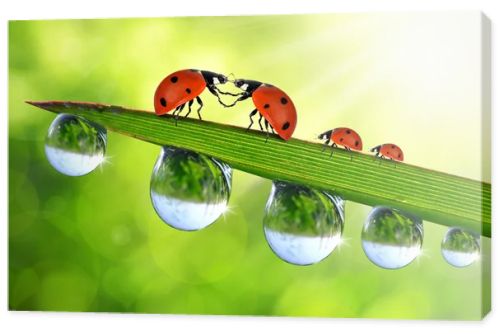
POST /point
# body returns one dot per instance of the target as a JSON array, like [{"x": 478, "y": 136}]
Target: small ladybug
[
  {"x": 348, "y": 138},
  {"x": 271, "y": 103},
  {"x": 388, "y": 151},
  {"x": 183, "y": 87}
]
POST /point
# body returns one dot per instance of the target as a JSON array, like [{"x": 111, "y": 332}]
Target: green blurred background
[{"x": 94, "y": 243}]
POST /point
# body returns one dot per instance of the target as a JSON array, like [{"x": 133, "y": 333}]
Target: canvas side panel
[{"x": 486, "y": 153}]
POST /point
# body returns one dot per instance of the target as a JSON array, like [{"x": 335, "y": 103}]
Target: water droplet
[
  {"x": 392, "y": 239},
  {"x": 189, "y": 191},
  {"x": 75, "y": 146},
  {"x": 460, "y": 248},
  {"x": 302, "y": 225}
]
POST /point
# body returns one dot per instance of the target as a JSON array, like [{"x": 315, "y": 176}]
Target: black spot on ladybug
[
  {"x": 399, "y": 155},
  {"x": 284, "y": 100},
  {"x": 356, "y": 143},
  {"x": 266, "y": 105},
  {"x": 342, "y": 139},
  {"x": 348, "y": 132},
  {"x": 285, "y": 126},
  {"x": 393, "y": 146},
  {"x": 163, "y": 102},
  {"x": 174, "y": 79},
  {"x": 188, "y": 90}
]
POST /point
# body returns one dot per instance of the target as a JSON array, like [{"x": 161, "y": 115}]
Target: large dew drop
[
  {"x": 302, "y": 225},
  {"x": 460, "y": 248},
  {"x": 392, "y": 239},
  {"x": 189, "y": 191},
  {"x": 75, "y": 146}
]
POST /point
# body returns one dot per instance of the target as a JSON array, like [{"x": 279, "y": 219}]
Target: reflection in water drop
[
  {"x": 189, "y": 191},
  {"x": 460, "y": 248},
  {"x": 392, "y": 239},
  {"x": 302, "y": 225},
  {"x": 75, "y": 146}
]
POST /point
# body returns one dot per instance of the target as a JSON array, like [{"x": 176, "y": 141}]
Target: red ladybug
[
  {"x": 388, "y": 151},
  {"x": 272, "y": 103},
  {"x": 183, "y": 87},
  {"x": 346, "y": 137}
]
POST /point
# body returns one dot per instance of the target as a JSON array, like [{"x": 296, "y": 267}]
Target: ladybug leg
[
  {"x": 181, "y": 107},
  {"x": 350, "y": 151},
  {"x": 266, "y": 124},
  {"x": 260, "y": 124},
  {"x": 327, "y": 143},
  {"x": 267, "y": 128},
  {"x": 190, "y": 103},
  {"x": 226, "y": 93},
  {"x": 333, "y": 146},
  {"x": 243, "y": 96},
  {"x": 215, "y": 91},
  {"x": 200, "y": 102},
  {"x": 174, "y": 113},
  {"x": 252, "y": 114}
]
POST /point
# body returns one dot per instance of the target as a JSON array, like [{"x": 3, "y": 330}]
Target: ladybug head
[
  {"x": 376, "y": 149},
  {"x": 220, "y": 79},
  {"x": 212, "y": 78},
  {"x": 247, "y": 85},
  {"x": 239, "y": 83},
  {"x": 325, "y": 135}
]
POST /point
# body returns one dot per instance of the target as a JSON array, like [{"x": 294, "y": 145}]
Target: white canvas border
[{"x": 46, "y": 322}]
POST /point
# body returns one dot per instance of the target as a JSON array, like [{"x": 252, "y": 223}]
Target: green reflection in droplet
[
  {"x": 460, "y": 247},
  {"x": 302, "y": 210}
]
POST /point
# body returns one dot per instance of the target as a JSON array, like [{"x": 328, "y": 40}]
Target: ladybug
[
  {"x": 183, "y": 87},
  {"x": 346, "y": 137},
  {"x": 388, "y": 151},
  {"x": 271, "y": 103}
]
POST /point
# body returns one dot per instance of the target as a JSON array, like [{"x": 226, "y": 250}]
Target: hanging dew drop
[
  {"x": 75, "y": 146},
  {"x": 189, "y": 191},
  {"x": 391, "y": 239},
  {"x": 302, "y": 225},
  {"x": 460, "y": 248}
]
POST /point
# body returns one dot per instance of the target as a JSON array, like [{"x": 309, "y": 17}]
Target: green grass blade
[{"x": 434, "y": 196}]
